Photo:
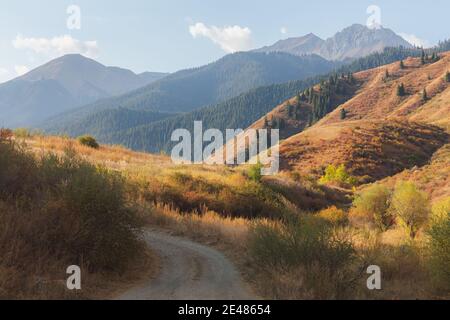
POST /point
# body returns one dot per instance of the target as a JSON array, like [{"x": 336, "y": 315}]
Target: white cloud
[
  {"x": 230, "y": 39},
  {"x": 3, "y": 71},
  {"x": 416, "y": 41},
  {"x": 21, "y": 70},
  {"x": 283, "y": 30},
  {"x": 57, "y": 46}
]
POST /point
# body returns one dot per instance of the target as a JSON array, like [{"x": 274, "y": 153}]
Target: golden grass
[{"x": 375, "y": 149}]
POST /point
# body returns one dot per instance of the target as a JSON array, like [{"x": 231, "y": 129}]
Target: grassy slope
[{"x": 375, "y": 139}]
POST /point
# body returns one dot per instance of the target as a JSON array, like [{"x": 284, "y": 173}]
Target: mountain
[
  {"x": 192, "y": 89},
  {"x": 237, "y": 112},
  {"x": 228, "y": 77},
  {"x": 353, "y": 42},
  {"x": 61, "y": 84}
]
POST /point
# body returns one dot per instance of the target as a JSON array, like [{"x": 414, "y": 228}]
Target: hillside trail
[{"x": 189, "y": 271}]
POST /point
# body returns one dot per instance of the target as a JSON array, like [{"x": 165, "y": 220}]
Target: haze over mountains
[
  {"x": 353, "y": 42},
  {"x": 62, "y": 84}
]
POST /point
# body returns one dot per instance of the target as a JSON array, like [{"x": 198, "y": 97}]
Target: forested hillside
[{"x": 188, "y": 90}]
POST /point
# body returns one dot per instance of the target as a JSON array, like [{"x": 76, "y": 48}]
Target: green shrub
[
  {"x": 334, "y": 215},
  {"x": 67, "y": 210},
  {"x": 22, "y": 133},
  {"x": 95, "y": 200},
  {"x": 439, "y": 244},
  {"x": 88, "y": 141},
  {"x": 325, "y": 254},
  {"x": 338, "y": 175},
  {"x": 254, "y": 173},
  {"x": 373, "y": 203},
  {"x": 410, "y": 207}
]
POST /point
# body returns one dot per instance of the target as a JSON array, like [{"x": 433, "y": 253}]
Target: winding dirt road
[{"x": 190, "y": 271}]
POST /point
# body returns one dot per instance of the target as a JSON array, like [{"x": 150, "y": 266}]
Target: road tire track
[{"x": 189, "y": 271}]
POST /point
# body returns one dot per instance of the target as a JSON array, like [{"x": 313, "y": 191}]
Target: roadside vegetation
[
  {"x": 292, "y": 236},
  {"x": 57, "y": 211}
]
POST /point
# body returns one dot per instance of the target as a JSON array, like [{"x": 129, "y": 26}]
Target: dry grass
[
  {"x": 433, "y": 178},
  {"x": 370, "y": 150},
  {"x": 60, "y": 211},
  {"x": 377, "y": 98}
]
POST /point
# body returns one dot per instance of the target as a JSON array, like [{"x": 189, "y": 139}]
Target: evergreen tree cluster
[
  {"x": 426, "y": 58},
  {"x": 322, "y": 100},
  {"x": 401, "y": 91}
]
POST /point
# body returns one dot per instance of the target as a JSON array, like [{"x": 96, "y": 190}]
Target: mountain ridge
[
  {"x": 352, "y": 42},
  {"x": 80, "y": 79}
]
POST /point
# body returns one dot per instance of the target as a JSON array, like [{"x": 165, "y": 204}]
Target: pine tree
[
  {"x": 266, "y": 123},
  {"x": 343, "y": 114},
  {"x": 290, "y": 111},
  {"x": 434, "y": 57},
  {"x": 386, "y": 75},
  {"x": 402, "y": 65},
  {"x": 423, "y": 56},
  {"x": 401, "y": 90},
  {"x": 447, "y": 76},
  {"x": 424, "y": 95}
]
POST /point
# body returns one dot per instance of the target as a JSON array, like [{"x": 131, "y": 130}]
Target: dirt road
[{"x": 189, "y": 271}]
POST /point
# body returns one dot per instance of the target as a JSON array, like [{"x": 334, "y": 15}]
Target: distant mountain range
[
  {"x": 353, "y": 42},
  {"x": 62, "y": 84},
  {"x": 75, "y": 95},
  {"x": 192, "y": 89}
]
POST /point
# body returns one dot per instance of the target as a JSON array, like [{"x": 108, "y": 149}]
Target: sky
[{"x": 169, "y": 35}]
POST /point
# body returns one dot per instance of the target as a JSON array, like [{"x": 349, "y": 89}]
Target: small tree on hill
[
  {"x": 88, "y": 141},
  {"x": 447, "y": 76},
  {"x": 401, "y": 90},
  {"x": 343, "y": 114},
  {"x": 410, "y": 206},
  {"x": 373, "y": 203},
  {"x": 435, "y": 57},
  {"x": 266, "y": 122},
  {"x": 423, "y": 57},
  {"x": 424, "y": 95},
  {"x": 402, "y": 65}
]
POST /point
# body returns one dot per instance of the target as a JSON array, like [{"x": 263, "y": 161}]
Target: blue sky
[{"x": 168, "y": 35}]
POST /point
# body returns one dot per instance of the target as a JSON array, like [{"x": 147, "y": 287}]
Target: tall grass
[
  {"x": 322, "y": 257},
  {"x": 57, "y": 211}
]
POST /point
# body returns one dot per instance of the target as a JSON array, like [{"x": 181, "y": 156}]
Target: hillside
[
  {"x": 381, "y": 133},
  {"x": 238, "y": 112},
  {"x": 370, "y": 150},
  {"x": 434, "y": 177},
  {"x": 353, "y": 42},
  {"x": 62, "y": 84},
  {"x": 296, "y": 114},
  {"x": 379, "y": 99}
]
